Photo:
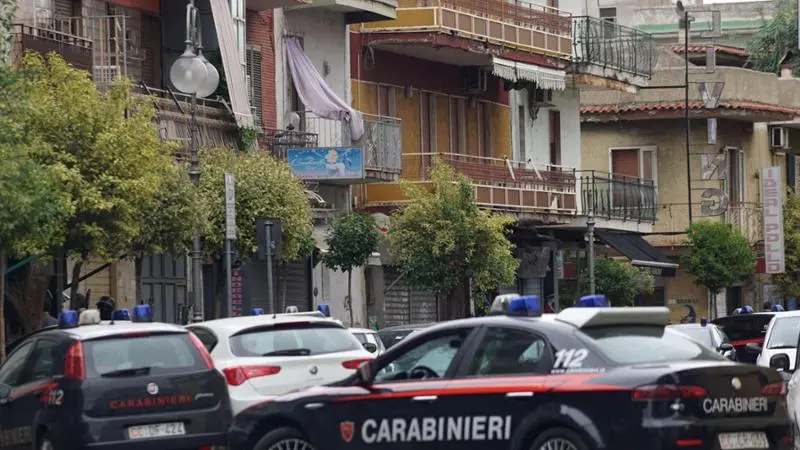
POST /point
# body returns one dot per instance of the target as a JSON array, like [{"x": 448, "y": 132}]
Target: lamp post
[
  {"x": 192, "y": 74},
  {"x": 685, "y": 19}
]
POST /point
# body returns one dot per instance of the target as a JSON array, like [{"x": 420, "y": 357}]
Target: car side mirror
[
  {"x": 779, "y": 362},
  {"x": 753, "y": 347},
  {"x": 370, "y": 347},
  {"x": 725, "y": 347},
  {"x": 5, "y": 392},
  {"x": 364, "y": 374}
]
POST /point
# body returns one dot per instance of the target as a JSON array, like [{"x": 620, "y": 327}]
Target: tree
[
  {"x": 619, "y": 281},
  {"x": 718, "y": 257},
  {"x": 769, "y": 45},
  {"x": 171, "y": 219},
  {"x": 442, "y": 240},
  {"x": 351, "y": 239},
  {"x": 108, "y": 143},
  {"x": 265, "y": 188},
  {"x": 787, "y": 282}
]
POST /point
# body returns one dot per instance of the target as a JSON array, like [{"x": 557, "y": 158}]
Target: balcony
[
  {"x": 747, "y": 219},
  {"x": 381, "y": 144},
  {"x": 499, "y": 184},
  {"x": 618, "y": 197},
  {"x": 608, "y": 50},
  {"x": 74, "y": 49},
  {"x": 517, "y": 25}
]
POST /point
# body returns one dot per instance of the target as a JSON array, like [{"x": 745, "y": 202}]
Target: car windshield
[
  {"x": 744, "y": 326},
  {"x": 640, "y": 344},
  {"x": 142, "y": 355},
  {"x": 294, "y": 339},
  {"x": 699, "y": 334},
  {"x": 785, "y": 332}
]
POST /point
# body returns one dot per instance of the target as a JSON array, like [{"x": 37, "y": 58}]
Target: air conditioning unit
[
  {"x": 779, "y": 137},
  {"x": 476, "y": 80}
]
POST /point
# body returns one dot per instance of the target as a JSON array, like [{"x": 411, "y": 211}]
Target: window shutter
[{"x": 254, "y": 89}]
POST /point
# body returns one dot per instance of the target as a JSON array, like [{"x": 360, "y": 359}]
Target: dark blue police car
[
  {"x": 582, "y": 379},
  {"x": 121, "y": 384}
]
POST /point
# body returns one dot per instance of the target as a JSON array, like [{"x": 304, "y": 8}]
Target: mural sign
[
  {"x": 710, "y": 92},
  {"x": 713, "y": 202},
  {"x": 714, "y": 163},
  {"x": 772, "y": 210},
  {"x": 327, "y": 163}
]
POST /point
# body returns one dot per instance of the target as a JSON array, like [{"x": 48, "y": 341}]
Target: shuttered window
[{"x": 254, "y": 88}]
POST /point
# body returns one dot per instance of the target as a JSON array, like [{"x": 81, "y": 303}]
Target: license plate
[
  {"x": 156, "y": 430},
  {"x": 747, "y": 440}
]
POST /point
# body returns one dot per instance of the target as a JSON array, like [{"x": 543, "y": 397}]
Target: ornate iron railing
[
  {"x": 615, "y": 196},
  {"x": 608, "y": 45}
]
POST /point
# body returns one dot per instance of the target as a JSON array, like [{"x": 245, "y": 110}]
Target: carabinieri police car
[
  {"x": 119, "y": 384},
  {"x": 582, "y": 379}
]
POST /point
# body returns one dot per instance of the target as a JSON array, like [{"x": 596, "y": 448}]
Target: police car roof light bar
[
  {"x": 68, "y": 319},
  {"x": 142, "y": 313},
  {"x": 324, "y": 309},
  {"x": 747, "y": 309},
  {"x": 121, "y": 314},
  {"x": 292, "y": 310},
  {"x": 257, "y": 312},
  {"x": 500, "y": 304},
  {"x": 703, "y": 321},
  {"x": 529, "y": 306},
  {"x": 593, "y": 301},
  {"x": 612, "y": 316}
]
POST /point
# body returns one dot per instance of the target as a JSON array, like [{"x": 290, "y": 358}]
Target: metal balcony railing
[
  {"x": 608, "y": 45},
  {"x": 747, "y": 219},
  {"x": 75, "y": 50},
  {"x": 614, "y": 196},
  {"x": 279, "y": 141}
]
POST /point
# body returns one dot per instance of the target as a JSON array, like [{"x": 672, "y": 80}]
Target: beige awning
[
  {"x": 234, "y": 71},
  {"x": 516, "y": 71}
]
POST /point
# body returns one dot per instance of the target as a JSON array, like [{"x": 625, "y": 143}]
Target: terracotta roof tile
[
  {"x": 678, "y": 106},
  {"x": 724, "y": 49}
]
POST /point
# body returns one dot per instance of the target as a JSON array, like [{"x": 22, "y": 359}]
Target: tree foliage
[
  {"x": 776, "y": 37},
  {"x": 442, "y": 239},
  {"x": 351, "y": 239},
  {"x": 619, "y": 281},
  {"x": 788, "y": 282},
  {"x": 8, "y": 11},
  {"x": 719, "y": 257}
]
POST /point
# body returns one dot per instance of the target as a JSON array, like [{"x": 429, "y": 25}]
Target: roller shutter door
[
  {"x": 404, "y": 304},
  {"x": 531, "y": 286},
  {"x": 293, "y": 285}
]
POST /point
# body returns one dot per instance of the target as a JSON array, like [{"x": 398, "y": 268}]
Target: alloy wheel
[
  {"x": 558, "y": 444},
  {"x": 290, "y": 444}
]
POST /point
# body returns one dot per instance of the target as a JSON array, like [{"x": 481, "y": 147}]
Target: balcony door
[{"x": 631, "y": 168}]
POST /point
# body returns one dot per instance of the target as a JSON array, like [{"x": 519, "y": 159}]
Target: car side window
[
  {"x": 509, "y": 351},
  {"x": 45, "y": 362},
  {"x": 428, "y": 359},
  {"x": 206, "y": 337},
  {"x": 723, "y": 336},
  {"x": 11, "y": 370}
]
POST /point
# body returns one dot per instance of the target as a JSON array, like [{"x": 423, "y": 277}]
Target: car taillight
[
  {"x": 777, "y": 388},
  {"x": 74, "y": 365},
  {"x": 355, "y": 363},
  {"x": 667, "y": 392},
  {"x": 198, "y": 344},
  {"x": 238, "y": 375}
]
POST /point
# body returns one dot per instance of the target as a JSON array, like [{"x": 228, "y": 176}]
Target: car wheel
[
  {"x": 45, "y": 443},
  {"x": 285, "y": 438},
  {"x": 559, "y": 439}
]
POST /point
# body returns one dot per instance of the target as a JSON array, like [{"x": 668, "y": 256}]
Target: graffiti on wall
[{"x": 684, "y": 310}]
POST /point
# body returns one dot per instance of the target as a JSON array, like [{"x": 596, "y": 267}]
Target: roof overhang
[
  {"x": 640, "y": 252},
  {"x": 513, "y": 71},
  {"x": 742, "y": 111}
]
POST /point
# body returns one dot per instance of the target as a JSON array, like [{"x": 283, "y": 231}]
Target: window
[
  {"x": 161, "y": 353},
  {"x": 608, "y": 14},
  {"x": 699, "y": 334},
  {"x": 484, "y": 130},
  {"x": 206, "y": 337},
  {"x": 555, "y": 138},
  {"x": 506, "y": 351},
  {"x": 47, "y": 361},
  {"x": 428, "y": 122},
  {"x": 386, "y": 101},
  {"x": 521, "y": 132},
  {"x": 429, "y": 359},
  {"x": 735, "y": 180},
  {"x": 458, "y": 129},
  {"x": 391, "y": 338},
  {"x": 634, "y": 163},
  {"x": 785, "y": 332},
  {"x": 11, "y": 370},
  {"x": 293, "y": 339},
  {"x": 634, "y": 344},
  {"x": 552, "y": 4}
]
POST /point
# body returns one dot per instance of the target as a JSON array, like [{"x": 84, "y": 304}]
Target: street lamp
[
  {"x": 192, "y": 74},
  {"x": 685, "y": 19}
]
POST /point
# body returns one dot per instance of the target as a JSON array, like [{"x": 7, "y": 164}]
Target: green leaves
[
  {"x": 619, "y": 281},
  {"x": 351, "y": 240},
  {"x": 441, "y": 238},
  {"x": 719, "y": 256},
  {"x": 265, "y": 188},
  {"x": 776, "y": 37},
  {"x": 788, "y": 282}
]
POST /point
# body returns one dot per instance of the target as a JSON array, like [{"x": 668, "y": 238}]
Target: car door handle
[
  {"x": 519, "y": 394},
  {"x": 313, "y": 406},
  {"x": 425, "y": 398}
]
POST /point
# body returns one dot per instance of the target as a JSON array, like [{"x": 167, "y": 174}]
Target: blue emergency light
[
  {"x": 592, "y": 301},
  {"x": 121, "y": 314},
  {"x": 142, "y": 313},
  {"x": 68, "y": 319},
  {"x": 527, "y": 305},
  {"x": 703, "y": 321},
  {"x": 777, "y": 308},
  {"x": 324, "y": 309},
  {"x": 257, "y": 312},
  {"x": 747, "y": 309}
]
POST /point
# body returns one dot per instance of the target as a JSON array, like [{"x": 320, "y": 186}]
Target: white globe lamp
[
  {"x": 188, "y": 73},
  {"x": 209, "y": 86}
]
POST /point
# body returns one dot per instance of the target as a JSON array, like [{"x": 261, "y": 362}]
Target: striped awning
[{"x": 516, "y": 71}]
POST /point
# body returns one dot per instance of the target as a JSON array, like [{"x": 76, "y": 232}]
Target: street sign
[
  {"x": 230, "y": 207},
  {"x": 772, "y": 216}
]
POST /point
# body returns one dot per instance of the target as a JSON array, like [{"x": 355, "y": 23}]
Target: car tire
[
  {"x": 285, "y": 438},
  {"x": 45, "y": 443},
  {"x": 559, "y": 439}
]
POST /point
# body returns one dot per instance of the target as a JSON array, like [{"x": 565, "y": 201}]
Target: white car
[
  {"x": 368, "y": 339},
  {"x": 265, "y": 356},
  {"x": 780, "y": 342}
]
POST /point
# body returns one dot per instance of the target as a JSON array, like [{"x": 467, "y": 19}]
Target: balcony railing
[
  {"x": 74, "y": 49},
  {"x": 503, "y": 184},
  {"x": 278, "y": 141},
  {"x": 614, "y": 196},
  {"x": 382, "y": 142},
  {"x": 616, "y": 47},
  {"x": 747, "y": 219}
]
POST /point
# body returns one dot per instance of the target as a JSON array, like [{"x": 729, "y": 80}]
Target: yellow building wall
[{"x": 365, "y": 99}]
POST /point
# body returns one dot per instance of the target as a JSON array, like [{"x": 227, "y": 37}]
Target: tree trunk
[
  {"x": 2, "y": 305},
  {"x": 349, "y": 299},
  {"x": 137, "y": 270},
  {"x": 73, "y": 289}
]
